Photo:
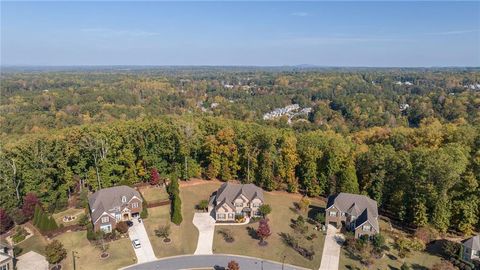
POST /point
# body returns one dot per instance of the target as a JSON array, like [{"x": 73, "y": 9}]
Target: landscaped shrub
[
  {"x": 450, "y": 249},
  {"x": 17, "y": 250},
  {"x": 292, "y": 242},
  {"x": 164, "y": 232},
  {"x": 202, "y": 205},
  {"x": 83, "y": 220},
  {"x": 319, "y": 218},
  {"x": 299, "y": 225},
  {"x": 90, "y": 233},
  {"x": 265, "y": 209},
  {"x": 122, "y": 227},
  {"x": 20, "y": 235},
  {"x": 227, "y": 235},
  {"x": 144, "y": 213}
]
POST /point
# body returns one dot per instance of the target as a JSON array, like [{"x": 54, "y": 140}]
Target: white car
[{"x": 136, "y": 243}]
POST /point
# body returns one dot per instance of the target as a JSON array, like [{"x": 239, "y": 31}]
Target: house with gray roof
[
  {"x": 232, "y": 200},
  {"x": 109, "y": 206},
  {"x": 358, "y": 213},
  {"x": 471, "y": 248}
]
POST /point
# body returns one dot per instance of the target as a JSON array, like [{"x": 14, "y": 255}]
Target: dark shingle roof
[
  {"x": 357, "y": 205},
  {"x": 473, "y": 243},
  {"x": 228, "y": 192},
  {"x": 364, "y": 217},
  {"x": 109, "y": 198}
]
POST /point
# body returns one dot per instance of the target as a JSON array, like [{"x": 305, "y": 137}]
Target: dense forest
[{"x": 408, "y": 138}]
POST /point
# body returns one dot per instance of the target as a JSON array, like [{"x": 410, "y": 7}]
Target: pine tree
[
  {"x": 177, "y": 210},
  {"x": 36, "y": 215}
]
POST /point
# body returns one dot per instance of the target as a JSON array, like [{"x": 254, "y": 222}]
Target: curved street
[{"x": 221, "y": 260}]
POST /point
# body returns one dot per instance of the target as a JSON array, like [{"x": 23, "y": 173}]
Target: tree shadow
[
  {"x": 435, "y": 247},
  {"x": 416, "y": 266},
  {"x": 392, "y": 257},
  {"x": 252, "y": 233},
  {"x": 392, "y": 267},
  {"x": 314, "y": 210}
]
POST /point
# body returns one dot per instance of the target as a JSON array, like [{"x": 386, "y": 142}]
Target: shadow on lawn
[
  {"x": 418, "y": 267},
  {"x": 252, "y": 233},
  {"x": 314, "y": 210}
]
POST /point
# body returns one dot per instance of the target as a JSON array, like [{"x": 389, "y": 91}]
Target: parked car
[
  {"x": 129, "y": 223},
  {"x": 136, "y": 243}
]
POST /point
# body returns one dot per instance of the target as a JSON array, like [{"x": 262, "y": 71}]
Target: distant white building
[
  {"x": 404, "y": 106},
  {"x": 289, "y": 110}
]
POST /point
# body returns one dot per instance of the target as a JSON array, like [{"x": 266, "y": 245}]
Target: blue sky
[{"x": 241, "y": 33}]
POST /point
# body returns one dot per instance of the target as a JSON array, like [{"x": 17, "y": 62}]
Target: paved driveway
[
  {"x": 209, "y": 261},
  {"x": 331, "y": 249},
  {"x": 32, "y": 261},
  {"x": 206, "y": 228},
  {"x": 145, "y": 252}
]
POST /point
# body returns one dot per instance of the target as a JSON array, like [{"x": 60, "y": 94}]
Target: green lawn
[
  {"x": 69, "y": 212},
  {"x": 282, "y": 213},
  {"x": 36, "y": 243},
  {"x": 88, "y": 257},
  {"x": 152, "y": 194},
  {"x": 184, "y": 237}
]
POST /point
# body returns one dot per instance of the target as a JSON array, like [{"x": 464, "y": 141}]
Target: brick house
[{"x": 111, "y": 205}]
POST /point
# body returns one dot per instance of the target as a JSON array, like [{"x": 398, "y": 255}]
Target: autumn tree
[
  {"x": 263, "y": 231},
  {"x": 6, "y": 222},
  {"x": 154, "y": 177},
  {"x": 55, "y": 252},
  {"x": 29, "y": 202},
  {"x": 233, "y": 265}
]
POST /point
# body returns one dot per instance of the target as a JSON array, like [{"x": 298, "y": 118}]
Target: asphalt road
[{"x": 198, "y": 261}]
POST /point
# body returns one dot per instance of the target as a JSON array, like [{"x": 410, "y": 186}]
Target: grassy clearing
[
  {"x": 391, "y": 260},
  {"x": 280, "y": 220},
  {"x": 88, "y": 257},
  {"x": 184, "y": 237},
  {"x": 69, "y": 212},
  {"x": 152, "y": 194},
  {"x": 35, "y": 243}
]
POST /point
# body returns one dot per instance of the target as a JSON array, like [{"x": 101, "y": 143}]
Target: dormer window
[{"x": 124, "y": 199}]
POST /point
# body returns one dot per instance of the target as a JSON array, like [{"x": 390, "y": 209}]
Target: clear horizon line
[{"x": 236, "y": 65}]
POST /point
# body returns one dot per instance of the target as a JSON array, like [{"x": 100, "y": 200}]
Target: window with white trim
[
  {"x": 231, "y": 215},
  {"x": 238, "y": 204},
  {"x": 105, "y": 219},
  {"x": 333, "y": 214},
  {"x": 124, "y": 199},
  {"x": 366, "y": 227},
  {"x": 221, "y": 216},
  {"x": 135, "y": 205},
  {"x": 4, "y": 267}
]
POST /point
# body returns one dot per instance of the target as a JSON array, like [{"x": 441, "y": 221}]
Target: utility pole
[
  {"x": 283, "y": 262},
  {"x": 73, "y": 258}
]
